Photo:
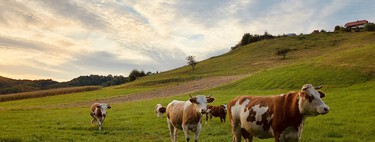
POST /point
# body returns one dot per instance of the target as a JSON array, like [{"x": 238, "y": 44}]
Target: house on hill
[{"x": 356, "y": 24}]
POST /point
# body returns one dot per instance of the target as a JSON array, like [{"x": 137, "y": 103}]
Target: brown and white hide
[
  {"x": 98, "y": 112},
  {"x": 187, "y": 116},
  {"x": 280, "y": 117}
]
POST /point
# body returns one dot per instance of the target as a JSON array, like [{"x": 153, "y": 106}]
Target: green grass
[
  {"x": 342, "y": 62},
  {"x": 351, "y": 119}
]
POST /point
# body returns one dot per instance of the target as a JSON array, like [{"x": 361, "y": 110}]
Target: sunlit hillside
[
  {"x": 343, "y": 62},
  {"x": 324, "y": 52}
]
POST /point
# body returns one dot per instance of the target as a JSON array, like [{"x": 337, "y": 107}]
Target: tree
[
  {"x": 245, "y": 39},
  {"x": 337, "y": 28},
  {"x": 370, "y": 27},
  {"x": 191, "y": 61},
  {"x": 134, "y": 74},
  {"x": 347, "y": 29},
  {"x": 283, "y": 51}
]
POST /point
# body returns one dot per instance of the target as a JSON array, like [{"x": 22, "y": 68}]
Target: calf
[
  {"x": 98, "y": 113},
  {"x": 217, "y": 111},
  {"x": 159, "y": 110},
  {"x": 186, "y": 115},
  {"x": 280, "y": 116}
]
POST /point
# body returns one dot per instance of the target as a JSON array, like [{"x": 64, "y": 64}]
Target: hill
[
  {"x": 325, "y": 52},
  {"x": 343, "y": 62},
  {"x": 8, "y": 85}
]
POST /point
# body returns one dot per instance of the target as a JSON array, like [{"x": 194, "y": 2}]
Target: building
[{"x": 356, "y": 24}]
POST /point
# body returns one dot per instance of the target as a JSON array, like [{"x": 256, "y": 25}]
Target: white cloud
[{"x": 64, "y": 39}]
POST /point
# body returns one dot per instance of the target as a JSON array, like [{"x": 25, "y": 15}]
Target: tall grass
[{"x": 43, "y": 93}]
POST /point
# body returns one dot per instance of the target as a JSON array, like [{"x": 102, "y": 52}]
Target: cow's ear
[
  {"x": 210, "y": 100},
  {"x": 109, "y": 106},
  {"x": 162, "y": 109},
  {"x": 322, "y": 95},
  {"x": 98, "y": 106},
  {"x": 318, "y": 87},
  {"x": 193, "y": 100},
  {"x": 302, "y": 94}
]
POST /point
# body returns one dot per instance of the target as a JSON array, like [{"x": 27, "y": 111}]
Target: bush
[
  {"x": 134, "y": 74},
  {"x": 370, "y": 27},
  {"x": 345, "y": 29},
  {"x": 337, "y": 28}
]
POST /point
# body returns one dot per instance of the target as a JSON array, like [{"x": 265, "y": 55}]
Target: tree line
[{"x": 8, "y": 85}]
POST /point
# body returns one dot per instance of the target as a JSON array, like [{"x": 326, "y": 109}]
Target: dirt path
[{"x": 188, "y": 87}]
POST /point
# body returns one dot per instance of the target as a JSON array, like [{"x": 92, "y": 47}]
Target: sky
[{"x": 64, "y": 39}]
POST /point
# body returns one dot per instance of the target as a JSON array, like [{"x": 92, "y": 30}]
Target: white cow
[
  {"x": 186, "y": 115},
  {"x": 98, "y": 113}
]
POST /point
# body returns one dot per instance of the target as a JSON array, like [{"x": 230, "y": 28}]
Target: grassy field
[{"x": 343, "y": 64}]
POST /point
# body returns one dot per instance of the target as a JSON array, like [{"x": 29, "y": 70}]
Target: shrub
[{"x": 370, "y": 27}]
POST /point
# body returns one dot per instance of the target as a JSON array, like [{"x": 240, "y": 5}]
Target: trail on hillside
[{"x": 188, "y": 87}]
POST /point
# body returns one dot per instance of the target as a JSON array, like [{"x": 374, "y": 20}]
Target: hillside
[
  {"x": 342, "y": 62},
  {"x": 316, "y": 54}
]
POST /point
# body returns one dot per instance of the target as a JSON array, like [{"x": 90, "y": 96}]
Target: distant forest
[{"x": 8, "y": 85}]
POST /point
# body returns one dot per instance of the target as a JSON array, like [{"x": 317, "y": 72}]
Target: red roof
[{"x": 356, "y": 23}]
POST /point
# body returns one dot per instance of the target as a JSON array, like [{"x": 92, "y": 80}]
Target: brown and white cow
[
  {"x": 98, "y": 113},
  {"x": 217, "y": 111},
  {"x": 186, "y": 115},
  {"x": 159, "y": 110},
  {"x": 280, "y": 116}
]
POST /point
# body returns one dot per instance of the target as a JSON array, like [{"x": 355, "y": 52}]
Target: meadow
[{"x": 344, "y": 65}]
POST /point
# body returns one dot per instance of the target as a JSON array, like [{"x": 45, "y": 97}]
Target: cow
[
  {"x": 280, "y": 117},
  {"x": 186, "y": 115},
  {"x": 98, "y": 113},
  {"x": 217, "y": 111},
  {"x": 159, "y": 110}
]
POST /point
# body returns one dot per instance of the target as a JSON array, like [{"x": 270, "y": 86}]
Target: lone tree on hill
[
  {"x": 337, "y": 28},
  {"x": 283, "y": 51},
  {"x": 134, "y": 74},
  {"x": 191, "y": 61},
  {"x": 369, "y": 27}
]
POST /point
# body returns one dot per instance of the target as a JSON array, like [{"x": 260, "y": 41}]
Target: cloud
[
  {"x": 64, "y": 39},
  {"x": 73, "y": 10}
]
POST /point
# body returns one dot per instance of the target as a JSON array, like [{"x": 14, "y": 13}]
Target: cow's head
[
  {"x": 201, "y": 101},
  {"x": 225, "y": 107},
  {"x": 103, "y": 108},
  {"x": 310, "y": 102}
]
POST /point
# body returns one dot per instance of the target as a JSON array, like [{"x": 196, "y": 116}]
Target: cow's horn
[
  {"x": 190, "y": 96},
  {"x": 318, "y": 87},
  {"x": 209, "y": 96}
]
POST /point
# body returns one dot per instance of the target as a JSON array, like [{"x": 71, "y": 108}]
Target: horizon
[{"x": 62, "y": 40}]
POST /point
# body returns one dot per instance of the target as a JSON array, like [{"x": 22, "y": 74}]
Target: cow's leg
[
  {"x": 206, "y": 117},
  {"x": 185, "y": 128},
  {"x": 175, "y": 134},
  {"x": 277, "y": 136},
  {"x": 196, "y": 133},
  {"x": 236, "y": 131},
  {"x": 247, "y": 136},
  {"x": 93, "y": 118},
  {"x": 100, "y": 121},
  {"x": 171, "y": 130}
]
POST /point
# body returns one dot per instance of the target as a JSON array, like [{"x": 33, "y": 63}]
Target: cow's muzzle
[{"x": 325, "y": 110}]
